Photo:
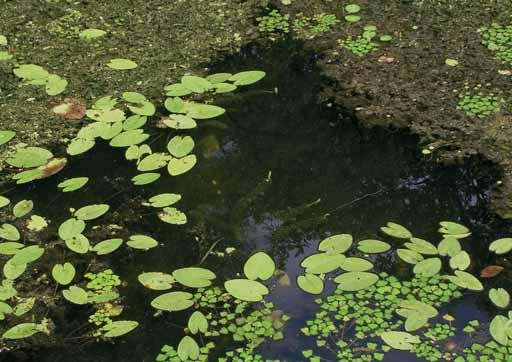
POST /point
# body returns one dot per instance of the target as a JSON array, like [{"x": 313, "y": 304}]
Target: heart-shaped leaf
[
  {"x": 63, "y": 273},
  {"x": 173, "y": 301},
  {"x": 194, "y": 277},
  {"x": 336, "y": 244},
  {"x": 246, "y": 290},
  {"x": 259, "y": 266},
  {"x": 75, "y": 295},
  {"x": 310, "y": 283}
]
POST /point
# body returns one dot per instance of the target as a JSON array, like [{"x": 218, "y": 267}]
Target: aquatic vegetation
[
  {"x": 33, "y": 74},
  {"x": 498, "y": 39},
  {"x": 91, "y": 34},
  {"x": 359, "y": 46},
  {"x": 274, "y": 22},
  {"x": 479, "y": 104},
  {"x": 66, "y": 25},
  {"x": 122, "y": 64}
]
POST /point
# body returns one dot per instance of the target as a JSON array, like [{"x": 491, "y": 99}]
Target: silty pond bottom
[{"x": 278, "y": 173}]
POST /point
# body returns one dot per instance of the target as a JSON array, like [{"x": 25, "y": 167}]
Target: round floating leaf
[
  {"x": 121, "y": 64},
  {"x": 194, "y": 277},
  {"x": 179, "y": 166},
  {"x": 22, "y": 330},
  {"x": 428, "y": 267},
  {"x": 218, "y": 77},
  {"x": 188, "y": 350},
  {"x": 156, "y": 280},
  {"x": 73, "y": 184},
  {"x": 371, "y": 246},
  {"x": 400, "y": 340},
  {"x": 107, "y": 246},
  {"x": 224, "y": 87},
  {"x": 91, "y": 34},
  {"x": 27, "y": 255},
  {"x": 500, "y": 329},
  {"x": 12, "y": 271},
  {"x": 31, "y": 72},
  {"x": 499, "y": 297},
  {"x": 78, "y": 243},
  {"x": 352, "y": 18},
  {"x": 415, "y": 322},
  {"x": 386, "y": 38},
  {"x": 6, "y": 136},
  {"x": 177, "y": 90},
  {"x": 180, "y": 146},
  {"x": 5, "y": 56},
  {"x": 10, "y": 248},
  {"x": 422, "y": 246},
  {"x": 451, "y": 62},
  {"x": 501, "y": 246},
  {"x": 322, "y": 263},
  {"x": 75, "y": 295},
  {"x": 71, "y": 228},
  {"x": 173, "y": 301},
  {"x": 134, "y": 122},
  {"x": 128, "y": 138},
  {"x": 196, "y": 84},
  {"x": 164, "y": 200},
  {"x": 396, "y": 230},
  {"x": 246, "y": 290},
  {"x": 146, "y": 109},
  {"x": 310, "y": 283},
  {"x": 259, "y": 266},
  {"x": 173, "y": 216},
  {"x": 336, "y": 244},
  {"x": 448, "y": 227},
  {"x": 179, "y": 121},
  {"x": 409, "y": 256},
  {"x": 141, "y": 242},
  {"x": 134, "y": 97},
  {"x": 4, "y": 201},
  {"x": 352, "y": 8},
  {"x": 354, "y": 281},
  {"x": 63, "y": 273},
  {"x": 22, "y": 208},
  {"x": 55, "y": 85},
  {"x": 106, "y": 115},
  {"x": 465, "y": 280},
  {"x": 449, "y": 246},
  {"x": 79, "y": 146},
  {"x": 355, "y": 265},
  {"x": 174, "y": 105},
  {"x": 9, "y": 232},
  {"x": 91, "y": 212},
  {"x": 197, "y": 323},
  {"x": 247, "y": 77},
  {"x": 28, "y": 176},
  {"x": 119, "y": 328},
  {"x": 152, "y": 162},
  {"x": 145, "y": 178},
  {"x": 28, "y": 157},
  {"x": 203, "y": 111},
  {"x": 460, "y": 261}
]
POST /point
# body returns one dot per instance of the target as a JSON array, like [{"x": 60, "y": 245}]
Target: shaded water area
[{"x": 278, "y": 173}]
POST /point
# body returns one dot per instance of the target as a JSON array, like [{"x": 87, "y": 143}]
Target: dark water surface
[{"x": 355, "y": 181}]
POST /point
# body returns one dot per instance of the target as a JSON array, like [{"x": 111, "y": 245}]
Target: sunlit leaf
[
  {"x": 354, "y": 281},
  {"x": 107, "y": 246},
  {"x": 145, "y": 178},
  {"x": 355, "y": 264},
  {"x": 310, "y": 283},
  {"x": 173, "y": 301},
  {"x": 75, "y": 295},
  {"x": 173, "y": 216},
  {"x": 73, "y": 184},
  {"x": 501, "y": 246},
  {"x": 180, "y": 146},
  {"x": 179, "y": 166},
  {"x": 372, "y": 246},
  {"x": 164, "y": 200},
  {"x": 188, "y": 349},
  {"x": 9, "y": 232},
  {"x": 91, "y": 212},
  {"x": 247, "y": 77},
  {"x": 336, "y": 244},
  {"x": 121, "y": 64},
  {"x": 119, "y": 328},
  {"x": 63, "y": 273},
  {"x": 400, "y": 340},
  {"x": 196, "y": 84},
  {"x": 259, "y": 266},
  {"x": 409, "y": 256},
  {"x": 27, "y": 255},
  {"x": 499, "y": 297},
  {"x": 156, "y": 280},
  {"x": 396, "y": 230},
  {"x": 28, "y": 157},
  {"x": 143, "y": 242},
  {"x": 78, "y": 243},
  {"x": 194, "y": 277},
  {"x": 428, "y": 267},
  {"x": 246, "y": 290},
  {"x": 22, "y": 330},
  {"x": 197, "y": 323}
]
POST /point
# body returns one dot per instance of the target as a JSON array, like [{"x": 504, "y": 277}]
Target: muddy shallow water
[{"x": 276, "y": 150}]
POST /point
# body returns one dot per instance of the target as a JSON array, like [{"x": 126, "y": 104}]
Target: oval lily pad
[
  {"x": 247, "y": 77},
  {"x": 499, "y": 297},
  {"x": 91, "y": 212},
  {"x": 71, "y": 228},
  {"x": 63, "y": 273},
  {"x": 156, "y": 280},
  {"x": 354, "y": 281},
  {"x": 6, "y": 136},
  {"x": 203, "y": 111},
  {"x": 336, "y": 244},
  {"x": 180, "y": 146},
  {"x": 465, "y": 280},
  {"x": 500, "y": 329},
  {"x": 10, "y": 247},
  {"x": 371, "y": 246},
  {"x": 12, "y": 271},
  {"x": 173, "y": 216},
  {"x": 355, "y": 264},
  {"x": 173, "y": 301},
  {"x": 460, "y": 261},
  {"x": 422, "y": 246},
  {"x": 322, "y": 263},
  {"x": 145, "y": 178},
  {"x": 501, "y": 246},
  {"x": 310, "y": 283},
  {"x": 30, "y": 157},
  {"x": 428, "y": 267},
  {"x": 196, "y": 84},
  {"x": 409, "y": 256},
  {"x": 449, "y": 246},
  {"x": 107, "y": 246},
  {"x": 9, "y": 232},
  {"x": 143, "y": 242},
  {"x": 194, "y": 277},
  {"x": 22, "y": 208},
  {"x": 119, "y": 328},
  {"x": 179, "y": 166},
  {"x": 22, "y": 330},
  {"x": 75, "y": 295},
  {"x": 121, "y": 64},
  {"x": 27, "y": 255},
  {"x": 400, "y": 340},
  {"x": 78, "y": 243},
  {"x": 73, "y": 184},
  {"x": 197, "y": 323},
  {"x": 164, "y": 200},
  {"x": 179, "y": 121},
  {"x": 246, "y": 290},
  {"x": 129, "y": 138},
  {"x": 259, "y": 266},
  {"x": 396, "y": 230},
  {"x": 188, "y": 349},
  {"x": 153, "y": 162}
]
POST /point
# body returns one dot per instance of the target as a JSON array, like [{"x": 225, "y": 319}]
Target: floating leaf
[
  {"x": 224, "y": 87},
  {"x": 27, "y": 255},
  {"x": 6, "y": 136},
  {"x": 91, "y": 34},
  {"x": 197, "y": 323},
  {"x": 78, "y": 243},
  {"x": 28, "y": 176},
  {"x": 5, "y": 56},
  {"x": 322, "y": 263},
  {"x": 489, "y": 271},
  {"x": 336, "y": 244},
  {"x": 134, "y": 97},
  {"x": 451, "y": 62},
  {"x": 73, "y": 184},
  {"x": 164, "y": 200},
  {"x": 63, "y": 273},
  {"x": 91, "y": 212},
  {"x": 174, "y": 105},
  {"x": 128, "y": 138},
  {"x": 24, "y": 306},
  {"x": 460, "y": 261},
  {"x": 371, "y": 246},
  {"x": 36, "y": 223},
  {"x": 448, "y": 227},
  {"x": 499, "y": 297},
  {"x": 134, "y": 122},
  {"x": 400, "y": 340},
  {"x": 352, "y": 8},
  {"x": 143, "y": 109},
  {"x": 409, "y": 256},
  {"x": 396, "y": 230},
  {"x": 55, "y": 85},
  {"x": 10, "y": 248},
  {"x": 179, "y": 166},
  {"x": 71, "y": 228},
  {"x": 107, "y": 246},
  {"x": 153, "y": 162},
  {"x": 28, "y": 157},
  {"x": 501, "y": 246},
  {"x": 194, "y": 277},
  {"x": 22, "y": 208},
  {"x": 3, "y": 40},
  {"x": 465, "y": 280},
  {"x": 247, "y": 77},
  {"x": 500, "y": 329},
  {"x": 9, "y": 232},
  {"x": 7, "y": 290},
  {"x": 173, "y": 216},
  {"x": 121, "y": 64},
  {"x": 75, "y": 295},
  {"x": 106, "y": 115},
  {"x": 22, "y": 330},
  {"x": 449, "y": 246},
  {"x": 355, "y": 264},
  {"x": 188, "y": 350},
  {"x": 12, "y": 271},
  {"x": 173, "y": 301},
  {"x": 180, "y": 146},
  {"x": 156, "y": 280},
  {"x": 177, "y": 90},
  {"x": 422, "y": 246},
  {"x": 259, "y": 266},
  {"x": 354, "y": 281},
  {"x": 196, "y": 84},
  {"x": 310, "y": 283},
  {"x": 246, "y": 290},
  {"x": 352, "y": 18},
  {"x": 119, "y": 328},
  {"x": 179, "y": 121},
  {"x": 218, "y": 77},
  {"x": 145, "y": 178},
  {"x": 31, "y": 72},
  {"x": 79, "y": 146},
  {"x": 141, "y": 242},
  {"x": 428, "y": 268},
  {"x": 203, "y": 111}
]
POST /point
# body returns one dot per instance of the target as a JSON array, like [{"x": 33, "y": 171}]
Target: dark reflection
[{"x": 278, "y": 173}]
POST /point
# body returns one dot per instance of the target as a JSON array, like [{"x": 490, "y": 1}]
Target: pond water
[{"x": 277, "y": 173}]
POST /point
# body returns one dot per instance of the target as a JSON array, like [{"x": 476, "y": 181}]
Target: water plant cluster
[
  {"x": 498, "y": 39},
  {"x": 476, "y": 103}
]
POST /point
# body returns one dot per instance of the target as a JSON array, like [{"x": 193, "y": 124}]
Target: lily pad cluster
[
  {"x": 498, "y": 39},
  {"x": 479, "y": 105},
  {"x": 33, "y": 74},
  {"x": 34, "y": 162}
]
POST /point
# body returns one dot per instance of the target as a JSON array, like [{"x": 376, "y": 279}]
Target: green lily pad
[
  {"x": 156, "y": 280},
  {"x": 71, "y": 228},
  {"x": 355, "y": 264},
  {"x": 179, "y": 166},
  {"x": 78, "y": 146},
  {"x": 180, "y": 146},
  {"x": 153, "y": 162},
  {"x": 29, "y": 157},
  {"x": 22, "y": 208},
  {"x": 371, "y": 246},
  {"x": 107, "y": 246},
  {"x": 218, "y": 77},
  {"x": 143, "y": 242},
  {"x": 10, "y": 247},
  {"x": 197, "y": 323},
  {"x": 310, "y": 283},
  {"x": 55, "y": 85},
  {"x": 246, "y": 290},
  {"x": 352, "y": 8},
  {"x": 460, "y": 261},
  {"x": 146, "y": 109},
  {"x": 448, "y": 227},
  {"x": 75, "y": 295},
  {"x": 22, "y": 330},
  {"x": 465, "y": 280},
  {"x": 409, "y": 256},
  {"x": 173, "y": 301},
  {"x": 224, "y": 87},
  {"x": 336, "y": 244},
  {"x": 91, "y": 212},
  {"x": 428, "y": 267},
  {"x": 173, "y": 216},
  {"x": 396, "y": 230},
  {"x": 119, "y": 328},
  {"x": 13, "y": 271},
  {"x": 91, "y": 34},
  {"x": 203, "y": 111},
  {"x": 499, "y": 297},
  {"x": 322, "y": 263},
  {"x": 175, "y": 105},
  {"x": 177, "y": 90},
  {"x": 500, "y": 329},
  {"x": 194, "y": 277},
  {"x": 6, "y": 136},
  {"x": 63, "y": 273},
  {"x": 128, "y": 138},
  {"x": 164, "y": 200},
  {"x": 400, "y": 340},
  {"x": 121, "y": 64},
  {"x": 27, "y": 255},
  {"x": 352, "y": 18},
  {"x": 501, "y": 246},
  {"x": 449, "y": 246},
  {"x": 247, "y": 77},
  {"x": 9, "y": 232},
  {"x": 145, "y": 178},
  {"x": 196, "y": 84},
  {"x": 31, "y": 72},
  {"x": 73, "y": 184},
  {"x": 259, "y": 266},
  {"x": 188, "y": 349},
  {"x": 78, "y": 243},
  {"x": 134, "y": 122},
  {"x": 179, "y": 121},
  {"x": 354, "y": 281},
  {"x": 422, "y": 246}
]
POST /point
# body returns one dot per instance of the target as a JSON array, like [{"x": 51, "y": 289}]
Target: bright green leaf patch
[{"x": 73, "y": 184}]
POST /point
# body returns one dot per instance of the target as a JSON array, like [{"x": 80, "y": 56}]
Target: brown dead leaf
[
  {"x": 491, "y": 271},
  {"x": 71, "y": 109}
]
